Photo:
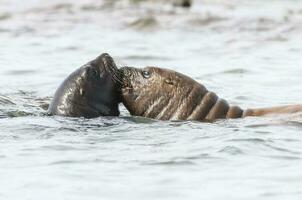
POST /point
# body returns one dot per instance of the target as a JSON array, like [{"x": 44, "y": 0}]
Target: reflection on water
[{"x": 248, "y": 52}]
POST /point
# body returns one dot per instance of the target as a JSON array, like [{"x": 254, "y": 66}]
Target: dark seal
[
  {"x": 168, "y": 95},
  {"x": 90, "y": 91}
]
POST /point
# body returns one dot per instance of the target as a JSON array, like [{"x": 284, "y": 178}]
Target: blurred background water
[{"x": 248, "y": 52}]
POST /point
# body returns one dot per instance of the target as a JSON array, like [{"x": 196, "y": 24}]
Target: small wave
[
  {"x": 23, "y": 30},
  {"x": 172, "y": 163},
  {"x": 231, "y": 150},
  {"x": 146, "y": 57},
  {"x": 20, "y": 72},
  {"x": 69, "y": 48},
  {"x": 236, "y": 71},
  {"x": 4, "y": 30},
  {"x": 207, "y": 20},
  {"x": 63, "y": 6},
  {"x": 43, "y": 102},
  {"x": 139, "y": 120},
  {"x": 55, "y": 8},
  {"x": 261, "y": 24},
  {"x": 229, "y": 71},
  {"x": 22, "y": 103},
  {"x": 277, "y": 38},
  {"x": 285, "y": 157},
  {"x": 97, "y": 7},
  {"x": 6, "y": 100},
  {"x": 295, "y": 123},
  {"x": 144, "y": 23},
  {"x": 5, "y": 16},
  {"x": 282, "y": 149},
  {"x": 66, "y": 162},
  {"x": 15, "y": 113},
  {"x": 251, "y": 140},
  {"x": 60, "y": 147},
  {"x": 75, "y": 125}
]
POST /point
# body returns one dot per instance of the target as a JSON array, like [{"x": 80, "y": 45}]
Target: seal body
[
  {"x": 168, "y": 95},
  {"x": 90, "y": 91}
]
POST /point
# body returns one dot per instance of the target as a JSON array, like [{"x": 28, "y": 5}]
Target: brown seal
[{"x": 168, "y": 95}]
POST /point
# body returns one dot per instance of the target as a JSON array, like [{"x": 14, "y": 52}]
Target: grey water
[{"x": 248, "y": 52}]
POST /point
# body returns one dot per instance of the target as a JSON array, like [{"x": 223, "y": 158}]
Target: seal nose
[
  {"x": 126, "y": 71},
  {"x": 106, "y": 65},
  {"x": 104, "y": 61}
]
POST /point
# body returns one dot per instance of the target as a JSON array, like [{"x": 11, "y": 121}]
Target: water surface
[{"x": 248, "y": 52}]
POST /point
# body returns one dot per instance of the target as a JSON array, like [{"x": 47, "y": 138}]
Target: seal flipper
[{"x": 273, "y": 110}]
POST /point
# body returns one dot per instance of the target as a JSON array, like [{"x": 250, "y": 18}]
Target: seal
[
  {"x": 90, "y": 91},
  {"x": 168, "y": 95}
]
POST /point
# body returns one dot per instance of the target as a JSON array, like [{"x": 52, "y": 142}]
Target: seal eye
[{"x": 146, "y": 74}]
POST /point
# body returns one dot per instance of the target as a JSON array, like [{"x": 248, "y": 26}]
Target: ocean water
[{"x": 248, "y": 52}]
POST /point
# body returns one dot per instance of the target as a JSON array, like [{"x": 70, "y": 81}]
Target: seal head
[{"x": 90, "y": 91}]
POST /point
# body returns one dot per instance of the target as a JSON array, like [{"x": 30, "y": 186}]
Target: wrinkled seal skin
[
  {"x": 90, "y": 91},
  {"x": 168, "y": 95}
]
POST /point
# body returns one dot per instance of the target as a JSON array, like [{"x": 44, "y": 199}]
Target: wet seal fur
[
  {"x": 90, "y": 91},
  {"x": 168, "y": 95}
]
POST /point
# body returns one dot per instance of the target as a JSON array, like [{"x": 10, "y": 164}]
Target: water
[{"x": 248, "y": 52}]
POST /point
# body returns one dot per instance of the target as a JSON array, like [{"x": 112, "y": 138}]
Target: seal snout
[
  {"x": 105, "y": 65},
  {"x": 126, "y": 73}
]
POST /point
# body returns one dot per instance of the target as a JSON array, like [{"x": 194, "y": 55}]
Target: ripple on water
[
  {"x": 4, "y": 100},
  {"x": 144, "y": 23},
  {"x": 97, "y": 6},
  {"x": 238, "y": 159},
  {"x": 170, "y": 163},
  {"x": 63, "y": 6},
  {"x": 237, "y": 71},
  {"x": 146, "y": 57},
  {"x": 284, "y": 157},
  {"x": 21, "y": 104},
  {"x": 5, "y": 16},
  {"x": 206, "y": 20},
  {"x": 231, "y": 150},
  {"x": 51, "y": 9},
  {"x": 20, "y": 72}
]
